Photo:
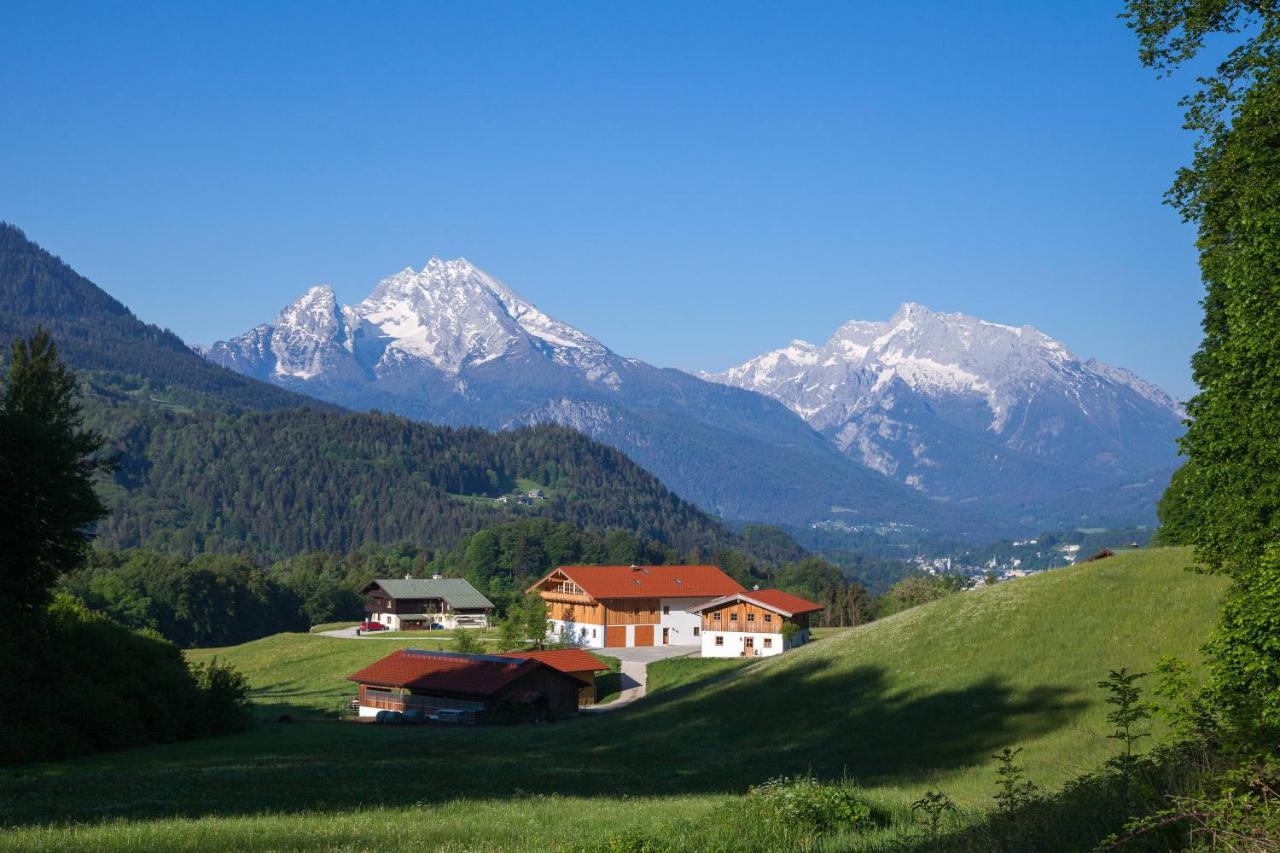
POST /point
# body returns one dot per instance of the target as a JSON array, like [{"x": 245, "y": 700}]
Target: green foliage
[
  {"x": 90, "y": 685},
  {"x": 466, "y": 641},
  {"x": 533, "y": 616},
  {"x": 931, "y": 810},
  {"x": 47, "y": 466},
  {"x": 844, "y": 602},
  {"x": 1181, "y": 512},
  {"x": 1014, "y": 792},
  {"x": 919, "y": 589},
  {"x": 226, "y": 696},
  {"x": 212, "y": 600},
  {"x": 511, "y": 634},
  {"x": 1245, "y": 650},
  {"x": 1128, "y": 712}
]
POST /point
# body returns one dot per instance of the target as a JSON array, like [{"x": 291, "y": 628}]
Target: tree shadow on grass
[{"x": 720, "y": 735}]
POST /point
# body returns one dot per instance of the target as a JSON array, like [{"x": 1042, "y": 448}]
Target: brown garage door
[
  {"x": 615, "y": 635},
  {"x": 644, "y": 635}
]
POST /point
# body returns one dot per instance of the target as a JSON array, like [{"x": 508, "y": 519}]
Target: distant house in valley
[
  {"x": 475, "y": 688},
  {"x": 753, "y": 624},
  {"x": 614, "y": 606},
  {"x": 575, "y": 663},
  {"x": 1110, "y": 552},
  {"x": 405, "y": 604}
]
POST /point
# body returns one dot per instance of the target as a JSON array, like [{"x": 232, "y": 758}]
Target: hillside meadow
[{"x": 918, "y": 700}]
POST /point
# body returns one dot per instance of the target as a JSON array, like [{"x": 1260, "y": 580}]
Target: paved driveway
[{"x": 647, "y": 654}]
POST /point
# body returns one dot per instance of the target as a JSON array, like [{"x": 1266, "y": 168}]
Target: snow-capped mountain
[
  {"x": 450, "y": 316},
  {"x": 452, "y": 344},
  {"x": 966, "y": 410}
]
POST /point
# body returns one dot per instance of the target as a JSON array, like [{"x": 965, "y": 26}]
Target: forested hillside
[
  {"x": 285, "y": 482},
  {"x": 96, "y": 332}
]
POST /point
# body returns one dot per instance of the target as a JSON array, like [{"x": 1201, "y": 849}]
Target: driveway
[
  {"x": 635, "y": 662},
  {"x": 646, "y": 654}
]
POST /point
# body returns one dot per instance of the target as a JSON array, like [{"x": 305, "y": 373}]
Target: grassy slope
[{"x": 920, "y": 699}]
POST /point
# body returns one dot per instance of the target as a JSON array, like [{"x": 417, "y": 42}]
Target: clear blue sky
[{"x": 693, "y": 183}]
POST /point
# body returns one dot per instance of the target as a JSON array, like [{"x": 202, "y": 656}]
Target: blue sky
[{"x": 693, "y": 183}]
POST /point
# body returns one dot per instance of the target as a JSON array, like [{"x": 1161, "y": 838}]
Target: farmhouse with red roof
[
  {"x": 755, "y": 623},
  {"x": 610, "y": 606}
]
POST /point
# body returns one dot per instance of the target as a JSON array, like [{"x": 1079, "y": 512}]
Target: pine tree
[{"x": 48, "y": 461}]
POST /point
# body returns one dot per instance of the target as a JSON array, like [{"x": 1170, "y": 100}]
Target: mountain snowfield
[
  {"x": 876, "y": 425},
  {"x": 964, "y": 409}
]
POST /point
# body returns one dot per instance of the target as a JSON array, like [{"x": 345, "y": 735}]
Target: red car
[{"x": 372, "y": 626}]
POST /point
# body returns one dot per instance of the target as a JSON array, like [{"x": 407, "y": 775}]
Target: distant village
[{"x": 998, "y": 561}]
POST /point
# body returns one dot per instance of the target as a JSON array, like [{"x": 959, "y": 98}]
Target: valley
[{"x": 919, "y": 700}]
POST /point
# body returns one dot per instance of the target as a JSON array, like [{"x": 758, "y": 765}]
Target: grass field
[{"x": 920, "y": 699}]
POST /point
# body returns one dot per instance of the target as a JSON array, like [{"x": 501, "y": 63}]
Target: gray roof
[{"x": 456, "y": 592}]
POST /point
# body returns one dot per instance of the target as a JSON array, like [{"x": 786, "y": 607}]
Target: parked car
[
  {"x": 393, "y": 718},
  {"x": 372, "y": 626}
]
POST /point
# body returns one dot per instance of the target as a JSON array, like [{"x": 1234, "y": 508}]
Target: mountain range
[
  {"x": 975, "y": 412},
  {"x": 880, "y": 424}
]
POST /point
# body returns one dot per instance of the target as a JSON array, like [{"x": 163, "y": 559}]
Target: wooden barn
[
  {"x": 575, "y": 663},
  {"x": 481, "y": 688}
]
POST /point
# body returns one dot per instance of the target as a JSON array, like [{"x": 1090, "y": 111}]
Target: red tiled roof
[
  {"x": 649, "y": 581},
  {"x": 771, "y": 599},
  {"x": 471, "y": 675},
  {"x": 565, "y": 660}
]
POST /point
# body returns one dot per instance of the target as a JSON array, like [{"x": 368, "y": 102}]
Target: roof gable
[
  {"x": 602, "y": 582},
  {"x": 783, "y": 603},
  {"x": 456, "y": 592}
]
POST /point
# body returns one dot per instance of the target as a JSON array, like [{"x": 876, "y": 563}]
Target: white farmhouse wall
[
  {"x": 584, "y": 633},
  {"x": 735, "y": 643},
  {"x": 674, "y": 615}
]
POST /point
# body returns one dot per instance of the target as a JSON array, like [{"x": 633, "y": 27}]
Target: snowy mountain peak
[
  {"x": 450, "y": 315},
  {"x": 849, "y": 387}
]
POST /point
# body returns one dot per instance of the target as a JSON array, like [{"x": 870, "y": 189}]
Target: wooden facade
[
  {"x": 544, "y": 691},
  {"x": 748, "y": 617}
]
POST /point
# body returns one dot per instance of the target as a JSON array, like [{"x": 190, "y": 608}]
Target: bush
[
  {"x": 803, "y": 804},
  {"x": 90, "y": 685}
]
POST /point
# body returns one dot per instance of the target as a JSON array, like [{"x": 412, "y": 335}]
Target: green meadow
[{"x": 915, "y": 701}]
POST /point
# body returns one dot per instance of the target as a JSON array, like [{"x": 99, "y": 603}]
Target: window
[
  {"x": 666, "y": 610},
  {"x": 593, "y": 633},
  {"x": 697, "y": 632},
  {"x": 751, "y": 642},
  {"x": 715, "y": 617},
  {"x": 768, "y": 642},
  {"x": 733, "y": 617},
  {"x": 768, "y": 617},
  {"x": 388, "y": 604},
  {"x": 751, "y": 617},
  {"x": 719, "y": 641}
]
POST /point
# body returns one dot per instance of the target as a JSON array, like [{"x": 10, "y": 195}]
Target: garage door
[
  {"x": 615, "y": 635},
  {"x": 644, "y": 635}
]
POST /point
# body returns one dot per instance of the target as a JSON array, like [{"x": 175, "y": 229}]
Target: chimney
[
  {"x": 634, "y": 568},
  {"x": 755, "y": 587}
]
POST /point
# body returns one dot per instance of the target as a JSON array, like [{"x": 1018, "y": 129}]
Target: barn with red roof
[
  {"x": 754, "y": 623},
  {"x": 472, "y": 688},
  {"x": 611, "y": 606}
]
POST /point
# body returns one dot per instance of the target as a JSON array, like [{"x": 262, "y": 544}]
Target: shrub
[{"x": 805, "y": 804}]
